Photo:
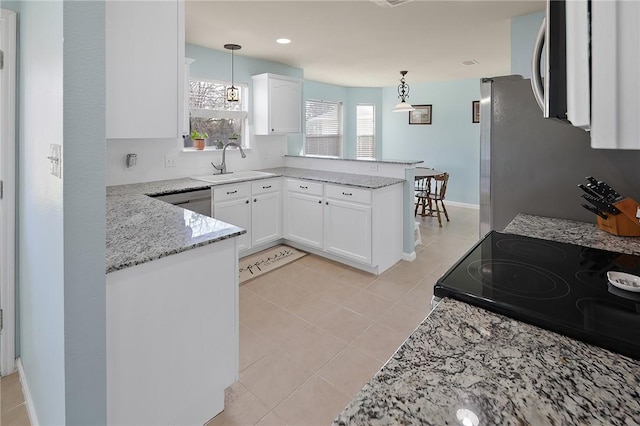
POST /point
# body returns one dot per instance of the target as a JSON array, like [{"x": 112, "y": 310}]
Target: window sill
[{"x": 212, "y": 149}]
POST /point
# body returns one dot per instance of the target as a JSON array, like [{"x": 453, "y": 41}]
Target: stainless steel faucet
[{"x": 223, "y": 167}]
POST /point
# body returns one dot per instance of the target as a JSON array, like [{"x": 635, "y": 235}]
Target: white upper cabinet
[
  {"x": 145, "y": 68},
  {"x": 277, "y": 104},
  {"x": 615, "y": 67}
]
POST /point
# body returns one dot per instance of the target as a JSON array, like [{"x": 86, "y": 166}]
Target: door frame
[{"x": 8, "y": 33}]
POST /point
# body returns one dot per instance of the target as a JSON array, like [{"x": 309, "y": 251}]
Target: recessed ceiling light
[
  {"x": 283, "y": 41},
  {"x": 470, "y": 62}
]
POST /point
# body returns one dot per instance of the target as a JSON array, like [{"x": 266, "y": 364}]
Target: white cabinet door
[
  {"x": 266, "y": 218},
  {"x": 285, "y": 105},
  {"x": 144, "y": 55},
  {"x": 303, "y": 220},
  {"x": 277, "y": 104},
  {"x": 348, "y": 230},
  {"x": 236, "y": 212}
]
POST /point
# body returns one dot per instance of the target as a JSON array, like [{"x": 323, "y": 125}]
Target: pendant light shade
[
  {"x": 403, "y": 94},
  {"x": 233, "y": 94}
]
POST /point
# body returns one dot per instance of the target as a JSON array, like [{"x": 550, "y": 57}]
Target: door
[
  {"x": 266, "y": 218},
  {"x": 236, "y": 212},
  {"x": 285, "y": 105},
  {"x": 7, "y": 197},
  {"x": 303, "y": 222},
  {"x": 348, "y": 230}
]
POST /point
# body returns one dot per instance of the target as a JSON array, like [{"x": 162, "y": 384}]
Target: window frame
[
  {"x": 242, "y": 114},
  {"x": 373, "y": 127},
  {"x": 340, "y": 126}
]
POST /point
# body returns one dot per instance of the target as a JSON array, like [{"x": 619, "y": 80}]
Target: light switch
[{"x": 55, "y": 158}]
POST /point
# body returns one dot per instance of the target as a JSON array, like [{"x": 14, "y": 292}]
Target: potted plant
[{"x": 198, "y": 139}]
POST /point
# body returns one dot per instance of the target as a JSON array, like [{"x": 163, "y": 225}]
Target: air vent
[{"x": 390, "y": 3}]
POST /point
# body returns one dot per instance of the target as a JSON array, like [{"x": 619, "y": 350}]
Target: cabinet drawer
[
  {"x": 348, "y": 193},
  {"x": 305, "y": 187},
  {"x": 230, "y": 192},
  {"x": 264, "y": 186}
]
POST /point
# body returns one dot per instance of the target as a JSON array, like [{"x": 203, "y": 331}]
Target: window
[
  {"x": 210, "y": 113},
  {"x": 365, "y": 131},
  {"x": 323, "y": 128}
]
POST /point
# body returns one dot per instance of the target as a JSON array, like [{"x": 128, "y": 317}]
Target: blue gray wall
[
  {"x": 84, "y": 213},
  {"x": 61, "y": 229},
  {"x": 451, "y": 143},
  {"x": 523, "y": 35}
]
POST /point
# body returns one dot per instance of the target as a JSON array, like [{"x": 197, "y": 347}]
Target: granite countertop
[
  {"x": 141, "y": 229},
  {"x": 347, "y": 179},
  {"x": 365, "y": 160},
  {"x": 464, "y": 361},
  {"x": 569, "y": 231}
]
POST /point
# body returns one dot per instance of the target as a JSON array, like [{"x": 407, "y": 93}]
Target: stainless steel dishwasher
[{"x": 198, "y": 201}]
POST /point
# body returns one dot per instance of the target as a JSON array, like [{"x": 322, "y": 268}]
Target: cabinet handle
[
  {"x": 319, "y": 201},
  {"x": 247, "y": 202},
  {"x": 327, "y": 203},
  {"x": 304, "y": 187},
  {"x": 266, "y": 187},
  {"x": 231, "y": 192},
  {"x": 347, "y": 193},
  {"x": 255, "y": 200}
]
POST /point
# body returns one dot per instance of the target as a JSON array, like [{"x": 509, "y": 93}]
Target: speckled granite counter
[
  {"x": 348, "y": 179},
  {"x": 569, "y": 231},
  {"x": 502, "y": 370},
  {"x": 141, "y": 229},
  {"x": 364, "y": 160}
]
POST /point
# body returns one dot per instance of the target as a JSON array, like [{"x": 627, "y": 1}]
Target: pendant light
[
  {"x": 233, "y": 94},
  {"x": 403, "y": 93}
]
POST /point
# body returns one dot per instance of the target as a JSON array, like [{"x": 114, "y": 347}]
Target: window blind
[
  {"x": 365, "y": 131},
  {"x": 323, "y": 135}
]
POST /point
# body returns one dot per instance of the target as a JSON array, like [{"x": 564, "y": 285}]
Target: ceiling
[{"x": 358, "y": 43}]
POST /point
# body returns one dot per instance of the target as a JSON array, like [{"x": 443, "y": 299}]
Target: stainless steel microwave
[{"x": 561, "y": 63}]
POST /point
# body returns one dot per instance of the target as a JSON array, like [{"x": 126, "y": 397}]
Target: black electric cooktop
[{"x": 557, "y": 286}]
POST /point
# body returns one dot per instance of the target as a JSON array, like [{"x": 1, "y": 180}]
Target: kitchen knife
[
  {"x": 608, "y": 192},
  {"x": 596, "y": 211},
  {"x": 602, "y": 205},
  {"x": 589, "y": 191}
]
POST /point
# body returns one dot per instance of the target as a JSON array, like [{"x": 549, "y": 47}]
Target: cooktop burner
[{"x": 558, "y": 286}]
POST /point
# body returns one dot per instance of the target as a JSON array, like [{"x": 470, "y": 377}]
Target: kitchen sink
[{"x": 233, "y": 176}]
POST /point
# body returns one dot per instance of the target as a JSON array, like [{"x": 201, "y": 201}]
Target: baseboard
[
  {"x": 409, "y": 257},
  {"x": 28, "y": 400},
  {"x": 463, "y": 205}
]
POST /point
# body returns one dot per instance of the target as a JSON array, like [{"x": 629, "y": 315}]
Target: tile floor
[
  {"x": 313, "y": 332},
  {"x": 14, "y": 411}
]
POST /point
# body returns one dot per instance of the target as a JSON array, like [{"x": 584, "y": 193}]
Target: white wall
[
  {"x": 40, "y": 208},
  {"x": 266, "y": 152}
]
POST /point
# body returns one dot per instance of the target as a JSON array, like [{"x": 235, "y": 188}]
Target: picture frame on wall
[
  {"x": 475, "y": 112},
  {"x": 421, "y": 114}
]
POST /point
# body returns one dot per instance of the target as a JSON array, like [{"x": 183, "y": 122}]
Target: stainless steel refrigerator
[{"x": 533, "y": 165}]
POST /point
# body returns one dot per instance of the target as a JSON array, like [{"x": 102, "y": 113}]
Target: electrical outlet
[
  {"x": 373, "y": 167},
  {"x": 169, "y": 161}
]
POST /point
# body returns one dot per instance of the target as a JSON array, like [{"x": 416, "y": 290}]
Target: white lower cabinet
[
  {"x": 231, "y": 204},
  {"x": 361, "y": 227},
  {"x": 254, "y": 206},
  {"x": 304, "y": 213},
  {"x": 347, "y": 229},
  {"x": 266, "y": 212}
]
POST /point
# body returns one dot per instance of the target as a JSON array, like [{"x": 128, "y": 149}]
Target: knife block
[{"x": 625, "y": 223}]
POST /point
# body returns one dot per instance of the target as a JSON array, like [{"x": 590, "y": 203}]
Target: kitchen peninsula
[
  {"x": 172, "y": 286},
  {"x": 466, "y": 365}
]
